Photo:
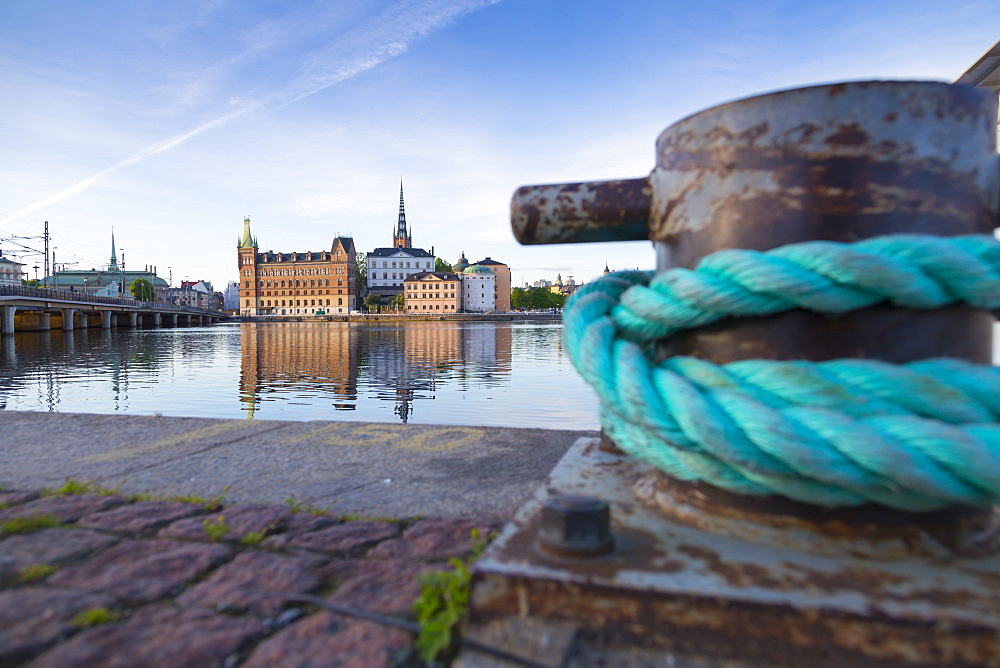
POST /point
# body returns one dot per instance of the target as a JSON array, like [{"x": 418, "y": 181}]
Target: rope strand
[{"x": 918, "y": 437}]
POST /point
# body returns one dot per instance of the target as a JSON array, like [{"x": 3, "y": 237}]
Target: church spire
[
  {"x": 401, "y": 239},
  {"x": 248, "y": 241},
  {"x": 113, "y": 265}
]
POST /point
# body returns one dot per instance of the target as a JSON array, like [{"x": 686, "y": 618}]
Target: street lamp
[{"x": 36, "y": 275}]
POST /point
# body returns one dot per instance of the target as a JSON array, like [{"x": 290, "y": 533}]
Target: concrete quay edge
[{"x": 385, "y": 470}]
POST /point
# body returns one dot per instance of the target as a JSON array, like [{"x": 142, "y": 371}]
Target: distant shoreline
[{"x": 399, "y": 317}]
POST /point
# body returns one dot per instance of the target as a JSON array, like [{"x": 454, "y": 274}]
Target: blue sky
[{"x": 170, "y": 120}]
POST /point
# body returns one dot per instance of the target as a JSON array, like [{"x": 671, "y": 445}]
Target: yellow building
[
  {"x": 309, "y": 283},
  {"x": 432, "y": 292}
]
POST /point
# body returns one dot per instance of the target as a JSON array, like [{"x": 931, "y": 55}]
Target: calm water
[{"x": 475, "y": 373}]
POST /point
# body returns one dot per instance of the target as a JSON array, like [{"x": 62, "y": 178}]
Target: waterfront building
[
  {"x": 297, "y": 283},
  {"x": 198, "y": 294},
  {"x": 433, "y": 291},
  {"x": 111, "y": 280},
  {"x": 389, "y": 267},
  {"x": 567, "y": 288},
  {"x": 479, "y": 286},
  {"x": 502, "y": 298},
  {"x": 231, "y": 298},
  {"x": 11, "y": 272}
]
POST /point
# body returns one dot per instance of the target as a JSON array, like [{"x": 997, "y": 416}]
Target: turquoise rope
[{"x": 917, "y": 437}]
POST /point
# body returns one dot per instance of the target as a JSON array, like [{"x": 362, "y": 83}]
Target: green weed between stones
[
  {"x": 93, "y": 616},
  {"x": 443, "y": 603},
  {"x": 218, "y": 529},
  {"x": 37, "y": 572},
  {"x": 27, "y": 524},
  {"x": 253, "y": 538},
  {"x": 73, "y": 486},
  {"x": 296, "y": 506}
]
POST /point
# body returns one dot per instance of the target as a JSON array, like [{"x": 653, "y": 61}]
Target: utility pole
[{"x": 47, "y": 248}]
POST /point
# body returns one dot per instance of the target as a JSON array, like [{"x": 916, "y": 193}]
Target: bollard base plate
[{"x": 690, "y": 592}]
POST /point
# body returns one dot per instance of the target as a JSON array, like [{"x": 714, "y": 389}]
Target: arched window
[
  {"x": 340, "y": 302},
  {"x": 340, "y": 281},
  {"x": 248, "y": 285}
]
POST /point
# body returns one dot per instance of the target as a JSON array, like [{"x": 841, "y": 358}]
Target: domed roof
[
  {"x": 477, "y": 269},
  {"x": 461, "y": 265}
]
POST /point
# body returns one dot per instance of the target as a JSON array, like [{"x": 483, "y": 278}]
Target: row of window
[
  {"x": 298, "y": 302},
  {"x": 430, "y": 295},
  {"x": 295, "y": 284},
  {"x": 416, "y": 265},
  {"x": 296, "y": 293},
  {"x": 304, "y": 257}
]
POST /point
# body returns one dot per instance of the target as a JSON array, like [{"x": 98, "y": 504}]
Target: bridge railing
[{"x": 67, "y": 295}]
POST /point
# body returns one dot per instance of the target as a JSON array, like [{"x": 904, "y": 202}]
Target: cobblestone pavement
[{"x": 192, "y": 584}]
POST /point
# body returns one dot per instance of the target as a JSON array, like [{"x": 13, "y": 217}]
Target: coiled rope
[{"x": 918, "y": 437}]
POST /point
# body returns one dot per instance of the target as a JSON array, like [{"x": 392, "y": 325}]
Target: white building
[
  {"x": 231, "y": 299},
  {"x": 10, "y": 272},
  {"x": 389, "y": 267},
  {"x": 479, "y": 285}
]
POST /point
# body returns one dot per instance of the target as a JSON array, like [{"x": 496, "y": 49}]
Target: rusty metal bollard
[
  {"x": 838, "y": 162},
  {"x": 705, "y": 573}
]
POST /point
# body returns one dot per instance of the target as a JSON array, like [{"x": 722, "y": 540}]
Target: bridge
[{"x": 35, "y": 308}]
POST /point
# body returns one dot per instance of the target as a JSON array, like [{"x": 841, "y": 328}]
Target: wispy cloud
[{"x": 381, "y": 37}]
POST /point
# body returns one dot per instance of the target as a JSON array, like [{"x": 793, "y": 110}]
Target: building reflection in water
[{"x": 401, "y": 362}]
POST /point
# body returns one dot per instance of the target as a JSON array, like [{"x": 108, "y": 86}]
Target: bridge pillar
[
  {"x": 7, "y": 319},
  {"x": 156, "y": 320},
  {"x": 44, "y": 321},
  {"x": 105, "y": 319},
  {"x": 68, "y": 315},
  {"x": 133, "y": 319}
]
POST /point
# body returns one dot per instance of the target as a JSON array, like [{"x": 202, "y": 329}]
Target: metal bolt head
[{"x": 576, "y": 526}]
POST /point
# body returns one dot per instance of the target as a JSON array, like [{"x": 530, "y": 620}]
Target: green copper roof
[
  {"x": 477, "y": 269},
  {"x": 248, "y": 241}
]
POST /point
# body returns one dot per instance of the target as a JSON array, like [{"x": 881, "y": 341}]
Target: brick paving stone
[
  {"x": 349, "y": 538},
  {"x": 241, "y": 520},
  {"x": 140, "y": 516},
  {"x": 64, "y": 508},
  {"x": 302, "y": 522},
  {"x": 143, "y": 570},
  {"x": 52, "y": 546},
  {"x": 255, "y": 581},
  {"x": 437, "y": 539},
  {"x": 389, "y": 587},
  {"x": 33, "y": 618},
  {"x": 156, "y": 635},
  {"x": 324, "y": 639},
  {"x": 10, "y": 498}
]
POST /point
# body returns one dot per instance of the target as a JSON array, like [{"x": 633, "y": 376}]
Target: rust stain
[{"x": 849, "y": 135}]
